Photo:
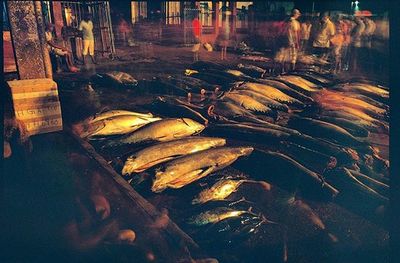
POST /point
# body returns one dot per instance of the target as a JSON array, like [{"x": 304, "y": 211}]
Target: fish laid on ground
[
  {"x": 270, "y": 92},
  {"x": 117, "y": 125},
  {"x": 353, "y": 127},
  {"x": 287, "y": 90},
  {"x": 237, "y": 73},
  {"x": 187, "y": 169},
  {"x": 221, "y": 190},
  {"x": 122, "y": 78},
  {"x": 371, "y": 91},
  {"x": 300, "y": 82},
  {"x": 166, "y": 151},
  {"x": 273, "y": 104},
  {"x": 247, "y": 102},
  {"x": 162, "y": 130},
  {"x": 256, "y": 58},
  {"x": 322, "y": 129},
  {"x": 113, "y": 113},
  {"x": 342, "y": 99},
  {"x": 216, "y": 215},
  {"x": 251, "y": 69}
]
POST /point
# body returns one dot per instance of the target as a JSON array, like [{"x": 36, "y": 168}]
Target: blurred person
[
  {"x": 223, "y": 37},
  {"x": 325, "y": 33},
  {"x": 346, "y": 27},
  {"x": 124, "y": 30},
  {"x": 356, "y": 43},
  {"x": 305, "y": 34},
  {"x": 370, "y": 28},
  {"x": 337, "y": 44},
  {"x": 293, "y": 37},
  {"x": 196, "y": 26},
  {"x": 369, "y": 31},
  {"x": 59, "y": 50},
  {"x": 86, "y": 26}
]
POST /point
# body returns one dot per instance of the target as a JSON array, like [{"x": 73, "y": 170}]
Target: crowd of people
[{"x": 340, "y": 38}]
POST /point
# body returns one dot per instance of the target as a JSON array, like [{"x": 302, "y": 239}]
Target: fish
[
  {"x": 247, "y": 102},
  {"x": 312, "y": 77},
  {"x": 270, "y": 103},
  {"x": 166, "y": 151},
  {"x": 285, "y": 172},
  {"x": 162, "y": 130},
  {"x": 256, "y": 58},
  {"x": 237, "y": 73},
  {"x": 353, "y": 127},
  {"x": 371, "y": 91},
  {"x": 300, "y": 82},
  {"x": 187, "y": 169},
  {"x": 311, "y": 159},
  {"x": 251, "y": 70},
  {"x": 352, "y": 188},
  {"x": 224, "y": 110},
  {"x": 287, "y": 90},
  {"x": 117, "y": 125},
  {"x": 343, "y": 99},
  {"x": 322, "y": 129},
  {"x": 270, "y": 92},
  {"x": 221, "y": 190},
  {"x": 113, "y": 113},
  {"x": 175, "y": 108},
  {"x": 216, "y": 215},
  {"x": 121, "y": 78}
]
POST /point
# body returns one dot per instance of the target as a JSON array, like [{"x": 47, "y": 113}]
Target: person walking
[
  {"x": 326, "y": 32},
  {"x": 86, "y": 26},
  {"x": 293, "y": 37}
]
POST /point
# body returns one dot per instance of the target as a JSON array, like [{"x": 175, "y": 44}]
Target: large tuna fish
[
  {"x": 167, "y": 151},
  {"x": 163, "y": 130},
  {"x": 190, "y": 168}
]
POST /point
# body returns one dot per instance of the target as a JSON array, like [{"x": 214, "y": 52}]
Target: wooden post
[
  {"x": 41, "y": 33},
  {"x": 216, "y": 16},
  {"x": 26, "y": 41},
  {"x": 232, "y": 8},
  {"x": 58, "y": 18}
]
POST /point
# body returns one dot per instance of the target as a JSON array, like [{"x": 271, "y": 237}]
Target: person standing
[
  {"x": 86, "y": 26},
  {"x": 293, "y": 37},
  {"x": 356, "y": 43},
  {"x": 305, "y": 34},
  {"x": 196, "y": 25},
  {"x": 326, "y": 32}
]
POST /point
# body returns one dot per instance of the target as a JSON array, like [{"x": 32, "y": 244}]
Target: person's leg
[
  {"x": 91, "y": 51},
  {"x": 85, "y": 50}
]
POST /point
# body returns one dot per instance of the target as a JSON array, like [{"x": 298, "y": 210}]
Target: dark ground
[{"x": 360, "y": 239}]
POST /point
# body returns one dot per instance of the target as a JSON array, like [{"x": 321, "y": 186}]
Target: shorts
[{"x": 88, "y": 46}]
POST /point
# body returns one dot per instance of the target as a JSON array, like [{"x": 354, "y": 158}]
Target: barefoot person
[
  {"x": 58, "y": 49},
  {"x": 86, "y": 26}
]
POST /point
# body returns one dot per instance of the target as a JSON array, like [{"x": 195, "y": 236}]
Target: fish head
[
  {"x": 193, "y": 125},
  {"x": 244, "y": 151},
  {"x": 129, "y": 166}
]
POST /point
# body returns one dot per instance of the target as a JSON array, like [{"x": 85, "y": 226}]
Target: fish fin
[{"x": 192, "y": 176}]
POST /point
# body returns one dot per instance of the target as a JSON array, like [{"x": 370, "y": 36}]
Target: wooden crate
[{"x": 37, "y": 105}]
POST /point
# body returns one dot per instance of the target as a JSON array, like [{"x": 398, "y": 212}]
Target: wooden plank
[
  {"x": 171, "y": 230},
  {"x": 36, "y": 103}
]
